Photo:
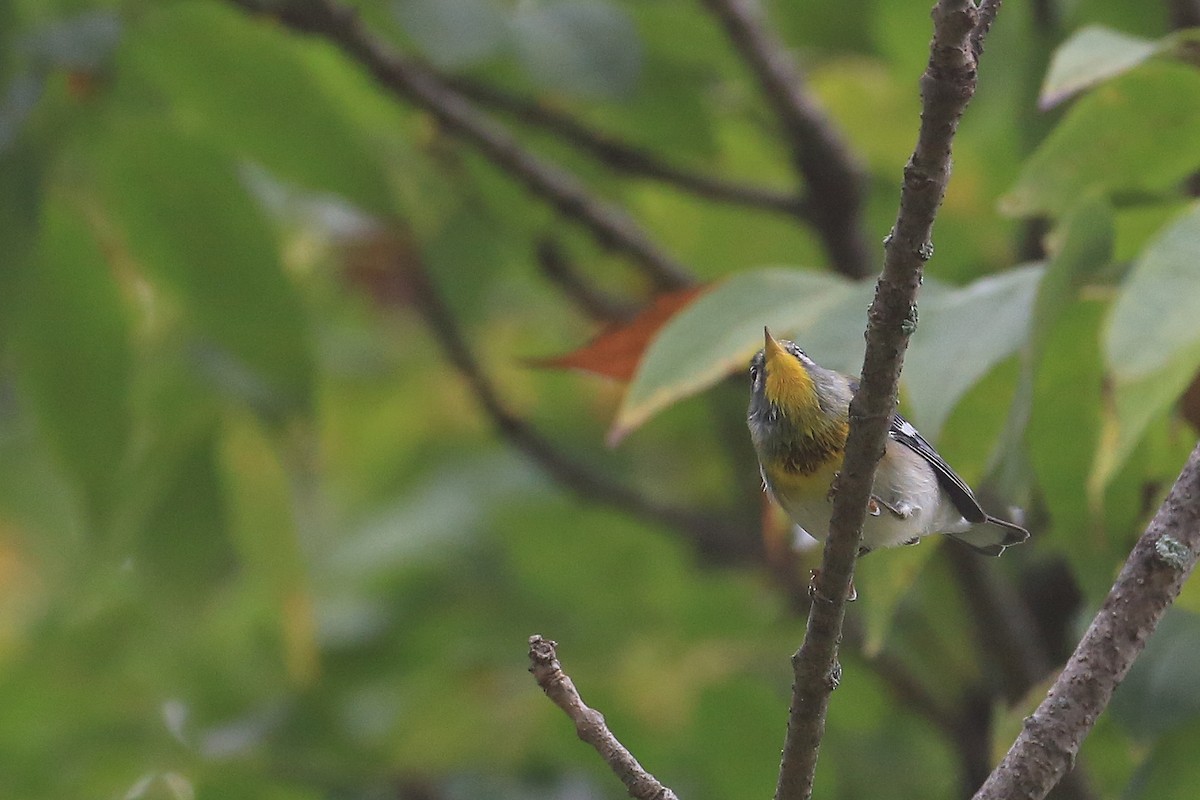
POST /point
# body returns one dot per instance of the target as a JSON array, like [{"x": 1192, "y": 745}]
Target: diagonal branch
[
  {"x": 404, "y": 77},
  {"x": 704, "y": 530},
  {"x": 1150, "y": 581},
  {"x": 626, "y": 157},
  {"x": 835, "y": 183},
  {"x": 946, "y": 87},
  {"x": 589, "y": 723}
]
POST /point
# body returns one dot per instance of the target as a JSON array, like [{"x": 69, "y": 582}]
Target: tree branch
[
  {"x": 626, "y": 157},
  {"x": 711, "y": 536},
  {"x": 835, "y": 183},
  {"x": 589, "y": 723},
  {"x": 946, "y": 87},
  {"x": 1183, "y": 14},
  {"x": 404, "y": 77},
  {"x": 1154, "y": 573}
]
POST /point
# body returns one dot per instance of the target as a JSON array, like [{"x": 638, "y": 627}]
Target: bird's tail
[{"x": 991, "y": 536}]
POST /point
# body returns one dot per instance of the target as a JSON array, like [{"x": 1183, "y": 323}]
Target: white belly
[{"x": 903, "y": 481}]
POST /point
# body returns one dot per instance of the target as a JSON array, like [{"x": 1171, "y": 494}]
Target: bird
[{"x": 799, "y": 417}]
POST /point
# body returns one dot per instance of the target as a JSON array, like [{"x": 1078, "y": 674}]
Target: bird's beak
[
  {"x": 786, "y": 376},
  {"x": 771, "y": 348}
]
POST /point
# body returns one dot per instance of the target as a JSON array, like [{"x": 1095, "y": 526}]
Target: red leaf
[{"x": 617, "y": 350}]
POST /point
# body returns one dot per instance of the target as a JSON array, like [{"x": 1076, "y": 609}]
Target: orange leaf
[{"x": 616, "y": 351}]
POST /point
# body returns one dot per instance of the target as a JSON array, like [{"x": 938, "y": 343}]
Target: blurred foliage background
[{"x": 291, "y": 467}]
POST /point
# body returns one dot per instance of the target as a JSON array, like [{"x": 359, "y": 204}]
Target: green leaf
[
  {"x": 585, "y": 47},
  {"x": 263, "y": 95},
  {"x": 21, "y": 174},
  {"x": 1081, "y": 246},
  {"x": 186, "y": 218},
  {"x": 719, "y": 332},
  {"x": 1152, "y": 341},
  {"x": 1154, "y": 318},
  {"x": 453, "y": 33},
  {"x": 962, "y": 334},
  {"x": 1061, "y": 437},
  {"x": 185, "y": 546},
  {"x": 1137, "y": 134},
  {"x": 265, "y": 521},
  {"x": 1092, "y": 55},
  {"x": 71, "y": 336}
]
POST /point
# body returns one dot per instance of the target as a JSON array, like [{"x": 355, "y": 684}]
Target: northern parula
[{"x": 799, "y": 419}]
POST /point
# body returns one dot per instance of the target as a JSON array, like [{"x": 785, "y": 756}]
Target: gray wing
[{"x": 903, "y": 432}]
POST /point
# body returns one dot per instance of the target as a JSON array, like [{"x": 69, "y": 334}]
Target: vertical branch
[{"x": 946, "y": 86}]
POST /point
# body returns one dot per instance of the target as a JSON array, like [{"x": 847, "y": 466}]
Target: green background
[{"x": 259, "y": 537}]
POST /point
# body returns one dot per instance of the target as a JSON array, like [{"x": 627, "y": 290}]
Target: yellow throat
[{"x": 788, "y": 385}]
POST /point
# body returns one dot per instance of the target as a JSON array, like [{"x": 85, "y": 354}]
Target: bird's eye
[{"x": 753, "y": 374}]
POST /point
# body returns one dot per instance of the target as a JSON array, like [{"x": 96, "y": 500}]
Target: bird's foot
[
  {"x": 833, "y": 487},
  {"x": 900, "y": 510}
]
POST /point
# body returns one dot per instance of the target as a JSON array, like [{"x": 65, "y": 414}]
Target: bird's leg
[{"x": 901, "y": 509}]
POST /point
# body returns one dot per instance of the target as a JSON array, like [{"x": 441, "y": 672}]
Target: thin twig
[
  {"x": 835, "y": 185},
  {"x": 946, "y": 87},
  {"x": 610, "y": 225},
  {"x": 589, "y": 723},
  {"x": 626, "y": 157},
  {"x": 1149, "y": 582},
  {"x": 987, "y": 15}
]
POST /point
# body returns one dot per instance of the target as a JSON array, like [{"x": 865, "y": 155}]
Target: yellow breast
[{"x": 785, "y": 482}]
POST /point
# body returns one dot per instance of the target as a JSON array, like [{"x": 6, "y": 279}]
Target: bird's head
[{"x": 791, "y": 396}]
